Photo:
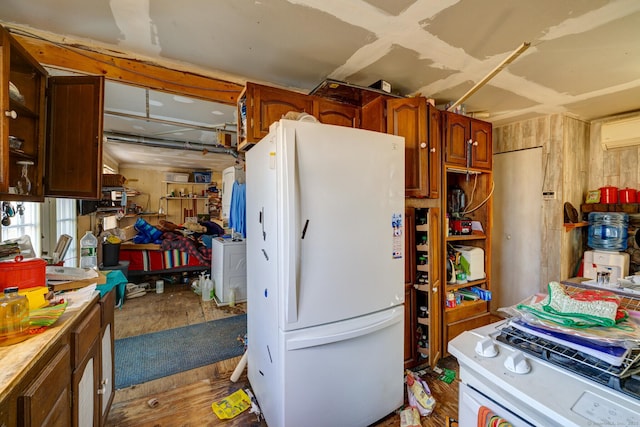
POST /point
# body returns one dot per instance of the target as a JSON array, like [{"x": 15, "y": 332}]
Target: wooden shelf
[
  {"x": 424, "y": 321},
  {"x": 455, "y": 286},
  {"x": 423, "y": 288},
  {"x": 568, "y": 226},
  {"x": 475, "y": 235}
]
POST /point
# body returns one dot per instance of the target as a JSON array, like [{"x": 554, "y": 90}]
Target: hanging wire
[{"x": 493, "y": 186}]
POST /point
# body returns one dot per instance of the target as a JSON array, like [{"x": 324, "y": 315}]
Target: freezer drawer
[{"x": 348, "y": 373}]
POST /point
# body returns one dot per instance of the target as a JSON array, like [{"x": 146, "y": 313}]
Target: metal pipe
[{"x": 167, "y": 143}]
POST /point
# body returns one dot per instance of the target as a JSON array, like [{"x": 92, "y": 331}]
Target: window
[
  {"x": 44, "y": 223},
  {"x": 25, "y": 221},
  {"x": 66, "y": 223}
]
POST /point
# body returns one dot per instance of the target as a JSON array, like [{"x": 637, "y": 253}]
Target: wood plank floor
[{"x": 184, "y": 400}]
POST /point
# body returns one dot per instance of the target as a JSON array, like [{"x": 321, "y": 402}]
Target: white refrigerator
[{"x": 325, "y": 274}]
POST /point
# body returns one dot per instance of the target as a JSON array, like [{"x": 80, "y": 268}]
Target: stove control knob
[
  {"x": 517, "y": 363},
  {"x": 486, "y": 348}
]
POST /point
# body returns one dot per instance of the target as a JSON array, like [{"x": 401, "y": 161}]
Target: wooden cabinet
[
  {"x": 50, "y": 130},
  {"x": 426, "y": 305},
  {"x": 335, "y": 113},
  {"x": 46, "y": 401},
  {"x": 106, "y": 379},
  {"x": 467, "y": 142},
  {"x": 419, "y": 123},
  {"x": 410, "y": 322},
  {"x": 74, "y": 131},
  {"x": 259, "y": 106},
  {"x": 477, "y": 186},
  {"x": 63, "y": 384},
  {"x": 86, "y": 369},
  {"x": 373, "y": 115}
]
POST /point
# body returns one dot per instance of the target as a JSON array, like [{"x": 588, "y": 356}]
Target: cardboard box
[{"x": 129, "y": 232}]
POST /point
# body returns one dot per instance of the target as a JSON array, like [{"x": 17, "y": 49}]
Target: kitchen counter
[{"x": 18, "y": 359}]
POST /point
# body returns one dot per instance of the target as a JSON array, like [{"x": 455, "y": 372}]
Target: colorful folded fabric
[{"x": 581, "y": 310}]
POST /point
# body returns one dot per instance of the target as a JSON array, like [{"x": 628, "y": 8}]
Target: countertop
[{"x": 18, "y": 358}]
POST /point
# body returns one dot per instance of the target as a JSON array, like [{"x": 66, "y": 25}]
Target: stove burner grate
[{"x": 622, "y": 378}]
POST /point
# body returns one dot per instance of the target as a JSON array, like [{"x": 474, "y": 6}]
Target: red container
[
  {"x": 627, "y": 195},
  {"x": 23, "y": 273},
  {"x": 609, "y": 194}
]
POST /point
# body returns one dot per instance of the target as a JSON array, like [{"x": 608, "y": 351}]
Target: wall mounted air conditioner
[{"x": 620, "y": 133}]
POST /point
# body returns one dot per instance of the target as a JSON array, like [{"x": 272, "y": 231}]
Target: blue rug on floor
[{"x": 151, "y": 356}]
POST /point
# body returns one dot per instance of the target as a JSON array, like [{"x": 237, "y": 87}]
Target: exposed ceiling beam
[{"x": 119, "y": 67}]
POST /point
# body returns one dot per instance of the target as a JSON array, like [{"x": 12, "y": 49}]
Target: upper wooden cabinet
[
  {"x": 259, "y": 106},
  {"x": 419, "y": 123},
  {"x": 335, "y": 113},
  {"x": 65, "y": 163},
  {"x": 467, "y": 142}
]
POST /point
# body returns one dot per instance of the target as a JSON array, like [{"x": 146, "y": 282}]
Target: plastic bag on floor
[
  {"x": 232, "y": 405},
  {"x": 419, "y": 394}
]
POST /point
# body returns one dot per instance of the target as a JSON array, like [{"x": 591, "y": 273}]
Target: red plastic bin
[{"x": 23, "y": 273}]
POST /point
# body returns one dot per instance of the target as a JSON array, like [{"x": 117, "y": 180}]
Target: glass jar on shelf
[{"x": 23, "y": 185}]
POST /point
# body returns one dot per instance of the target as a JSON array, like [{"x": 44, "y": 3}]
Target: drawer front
[
  {"x": 455, "y": 329},
  {"x": 47, "y": 400},
  {"x": 84, "y": 335},
  {"x": 466, "y": 310}
]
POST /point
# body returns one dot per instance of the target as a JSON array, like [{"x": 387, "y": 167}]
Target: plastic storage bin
[
  {"x": 23, "y": 273},
  {"x": 202, "y": 177},
  {"x": 608, "y": 231}
]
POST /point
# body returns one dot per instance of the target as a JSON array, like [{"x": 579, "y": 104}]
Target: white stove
[{"x": 528, "y": 391}]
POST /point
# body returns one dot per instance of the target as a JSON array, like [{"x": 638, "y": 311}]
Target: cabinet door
[
  {"x": 336, "y": 113},
  {"x": 86, "y": 368},
  {"x": 47, "y": 400},
  {"x": 23, "y": 117},
  {"x": 269, "y": 105},
  {"x": 435, "y": 288},
  {"x": 456, "y": 135},
  {"x": 408, "y": 118},
  {"x": 481, "y": 142},
  {"x": 435, "y": 152},
  {"x": 373, "y": 115},
  {"x": 74, "y": 144},
  {"x": 84, "y": 381},
  {"x": 410, "y": 322},
  {"x": 107, "y": 372}
]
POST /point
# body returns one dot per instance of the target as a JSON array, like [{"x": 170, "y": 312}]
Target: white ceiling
[{"x": 584, "y": 58}]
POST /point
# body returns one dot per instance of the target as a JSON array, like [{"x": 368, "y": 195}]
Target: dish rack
[{"x": 589, "y": 366}]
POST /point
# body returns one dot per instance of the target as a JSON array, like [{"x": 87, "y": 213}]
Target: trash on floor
[
  {"x": 419, "y": 394},
  {"x": 232, "y": 405},
  {"x": 448, "y": 375},
  {"x": 410, "y": 417},
  {"x": 255, "y": 409},
  {"x": 134, "y": 291}
]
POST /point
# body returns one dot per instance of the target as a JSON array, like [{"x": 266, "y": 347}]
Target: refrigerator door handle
[
  {"x": 292, "y": 210},
  {"x": 336, "y": 336}
]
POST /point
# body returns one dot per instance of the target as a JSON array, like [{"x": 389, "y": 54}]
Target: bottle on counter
[
  {"x": 14, "y": 316},
  {"x": 88, "y": 251}
]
